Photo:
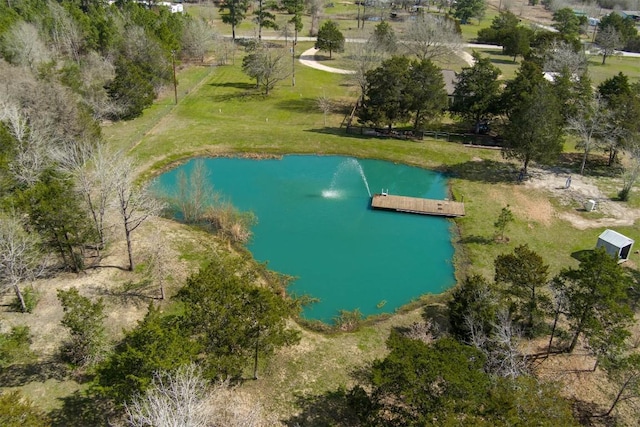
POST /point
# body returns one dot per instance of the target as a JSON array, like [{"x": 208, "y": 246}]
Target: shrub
[
  {"x": 84, "y": 319},
  {"x": 14, "y": 345}
]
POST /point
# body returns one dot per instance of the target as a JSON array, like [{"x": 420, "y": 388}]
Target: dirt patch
[
  {"x": 608, "y": 212},
  {"x": 524, "y": 203}
]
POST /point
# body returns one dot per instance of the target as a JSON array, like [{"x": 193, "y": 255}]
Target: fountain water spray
[{"x": 345, "y": 166}]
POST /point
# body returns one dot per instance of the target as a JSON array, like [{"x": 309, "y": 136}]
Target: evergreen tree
[
  {"x": 472, "y": 308},
  {"x": 417, "y": 382},
  {"x": 18, "y": 411},
  {"x": 384, "y": 101},
  {"x": 384, "y": 38},
  {"x": 596, "y": 294},
  {"x": 526, "y": 273},
  {"x": 505, "y": 217},
  {"x": 233, "y": 319},
  {"x": 520, "y": 88},
  {"x": 502, "y": 25},
  {"x": 567, "y": 22},
  {"x": 54, "y": 212},
  {"x": 264, "y": 18},
  {"x": 131, "y": 89},
  {"x": 477, "y": 91},
  {"x": 425, "y": 91},
  {"x": 233, "y": 12},
  {"x": 158, "y": 343},
  {"x": 534, "y": 131},
  {"x": 467, "y": 9},
  {"x": 330, "y": 38}
]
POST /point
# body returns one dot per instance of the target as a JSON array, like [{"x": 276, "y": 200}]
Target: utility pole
[
  {"x": 175, "y": 81},
  {"x": 293, "y": 57}
]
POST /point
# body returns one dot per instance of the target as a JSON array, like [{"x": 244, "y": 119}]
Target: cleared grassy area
[{"x": 627, "y": 65}]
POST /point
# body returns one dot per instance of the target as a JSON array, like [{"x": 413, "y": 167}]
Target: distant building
[{"x": 633, "y": 14}]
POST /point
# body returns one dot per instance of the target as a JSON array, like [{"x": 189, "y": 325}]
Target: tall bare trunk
[{"x": 20, "y": 297}]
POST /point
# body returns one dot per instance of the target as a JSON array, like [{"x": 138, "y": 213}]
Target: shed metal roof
[{"x": 615, "y": 238}]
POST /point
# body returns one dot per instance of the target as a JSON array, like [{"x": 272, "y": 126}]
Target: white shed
[{"x": 616, "y": 244}]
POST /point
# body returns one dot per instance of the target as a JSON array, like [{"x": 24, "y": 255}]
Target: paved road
[{"x": 307, "y": 58}]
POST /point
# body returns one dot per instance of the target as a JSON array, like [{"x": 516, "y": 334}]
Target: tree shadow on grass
[
  {"x": 236, "y": 85},
  {"x": 19, "y": 375},
  {"x": 343, "y": 133},
  {"x": 306, "y": 105},
  {"x": 581, "y": 254},
  {"x": 489, "y": 171},
  {"x": 246, "y": 92},
  {"x": 82, "y": 409},
  {"x": 505, "y": 61},
  {"x": 479, "y": 240},
  {"x": 596, "y": 165},
  {"x": 634, "y": 291},
  {"x": 328, "y": 409},
  {"x": 139, "y": 293}
]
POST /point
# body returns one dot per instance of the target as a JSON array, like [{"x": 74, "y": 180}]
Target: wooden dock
[{"x": 417, "y": 205}]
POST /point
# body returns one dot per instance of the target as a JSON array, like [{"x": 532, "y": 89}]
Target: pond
[{"x": 315, "y": 223}]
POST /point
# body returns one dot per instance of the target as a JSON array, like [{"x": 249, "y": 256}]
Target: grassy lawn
[{"x": 614, "y": 64}]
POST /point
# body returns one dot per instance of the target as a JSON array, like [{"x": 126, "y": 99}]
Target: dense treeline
[
  {"x": 115, "y": 58},
  {"x": 550, "y": 97}
]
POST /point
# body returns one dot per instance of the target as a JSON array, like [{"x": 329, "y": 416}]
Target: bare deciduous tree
[
  {"x": 159, "y": 261},
  {"x": 364, "y": 57},
  {"x": 325, "y": 105},
  {"x": 561, "y": 57},
  {"x": 430, "y": 37},
  {"x": 183, "y": 398},
  {"x": 33, "y": 145},
  {"x": 96, "y": 71},
  {"x": 315, "y": 8},
  {"x": 23, "y": 46},
  {"x": 174, "y": 399},
  {"x": 194, "y": 193},
  {"x": 267, "y": 65},
  {"x": 504, "y": 356},
  {"x": 134, "y": 203},
  {"x": 500, "y": 345},
  {"x": 592, "y": 125},
  {"x": 20, "y": 256},
  {"x": 609, "y": 41},
  {"x": 96, "y": 178},
  {"x": 631, "y": 165},
  {"x": 422, "y": 331},
  {"x": 197, "y": 39},
  {"x": 65, "y": 33}
]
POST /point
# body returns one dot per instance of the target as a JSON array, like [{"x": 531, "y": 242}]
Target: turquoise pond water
[{"x": 315, "y": 223}]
